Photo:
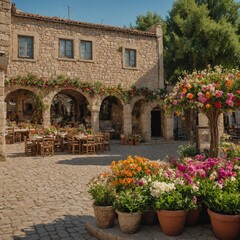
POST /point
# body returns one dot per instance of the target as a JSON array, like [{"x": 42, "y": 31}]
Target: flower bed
[{"x": 141, "y": 185}]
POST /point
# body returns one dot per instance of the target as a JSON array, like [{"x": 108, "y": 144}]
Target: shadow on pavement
[{"x": 69, "y": 227}]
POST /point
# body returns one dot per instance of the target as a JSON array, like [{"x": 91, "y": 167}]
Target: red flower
[
  {"x": 218, "y": 105},
  {"x": 200, "y": 76},
  {"x": 238, "y": 91}
]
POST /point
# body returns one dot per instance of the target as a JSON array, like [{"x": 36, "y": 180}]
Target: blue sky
[{"x": 111, "y": 12}]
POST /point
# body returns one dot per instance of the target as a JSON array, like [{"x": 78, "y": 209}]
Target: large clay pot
[
  {"x": 104, "y": 215},
  {"x": 149, "y": 218},
  {"x": 123, "y": 139},
  {"x": 225, "y": 227},
  {"x": 129, "y": 222},
  {"x": 193, "y": 217},
  {"x": 172, "y": 222}
]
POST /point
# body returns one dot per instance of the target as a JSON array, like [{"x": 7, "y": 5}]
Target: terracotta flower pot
[
  {"x": 193, "y": 217},
  {"x": 225, "y": 227},
  {"x": 129, "y": 222},
  {"x": 104, "y": 215},
  {"x": 149, "y": 218},
  {"x": 172, "y": 222}
]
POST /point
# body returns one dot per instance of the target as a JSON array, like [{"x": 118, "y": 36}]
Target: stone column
[
  {"x": 146, "y": 123},
  {"x": 2, "y": 117},
  {"x": 47, "y": 116},
  {"x": 95, "y": 120},
  {"x": 127, "y": 119},
  {"x": 168, "y": 126}
]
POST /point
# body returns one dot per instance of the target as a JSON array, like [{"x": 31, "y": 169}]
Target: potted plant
[
  {"x": 103, "y": 195},
  {"x": 130, "y": 140},
  {"x": 149, "y": 215},
  {"x": 223, "y": 202},
  {"x": 128, "y": 205},
  {"x": 172, "y": 201},
  {"x": 137, "y": 139}
]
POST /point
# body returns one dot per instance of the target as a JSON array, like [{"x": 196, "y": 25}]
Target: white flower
[
  {"x": 233, "y": 179},
  {"x": 195, "y": 188}
]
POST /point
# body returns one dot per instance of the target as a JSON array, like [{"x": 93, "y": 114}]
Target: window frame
[
  {"x": 32, "y": 53},
  {"x": 136, "y": 57},
  {"x": 128, "y": 59},
  {"x": 85, "y": 53},
  {"x": 59, "y": 48}
]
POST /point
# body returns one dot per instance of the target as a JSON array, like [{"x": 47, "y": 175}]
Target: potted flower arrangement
[
  {"x": 129, "y": 140},
  {"x": 128, "y": 205},
  {"x": 223, "y": 200},
  {"x": 172, "y": 200},
  {"x": 137, "y": 139},
  {"x": 103, "y": 195}
]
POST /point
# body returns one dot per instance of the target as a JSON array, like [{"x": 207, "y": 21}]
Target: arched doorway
[
  {"x": 156, "y": 122},
  {"x": 137, "y": 112},
  {"x": 70, "y": 107},
  {"x": 24, "y": 106},
  {"x": 111, "y": 116}
]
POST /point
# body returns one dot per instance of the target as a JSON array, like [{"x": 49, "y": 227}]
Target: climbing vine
[{"x": 92, "y": 89}]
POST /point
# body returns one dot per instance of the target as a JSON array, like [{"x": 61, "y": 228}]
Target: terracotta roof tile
[{"x": 18, "y": 13}]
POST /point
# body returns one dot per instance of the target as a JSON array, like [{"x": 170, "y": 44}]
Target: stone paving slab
[
  {"x": 149, "y": 233},
  {"x": 46, "y": 198}
]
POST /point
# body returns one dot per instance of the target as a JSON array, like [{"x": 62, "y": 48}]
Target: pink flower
[
  {"x": 230, "y": 96},
  {"x": 218, "y": 94},
  {"x": 175, "y": 102},
  {"x": 229, "y": 102}
]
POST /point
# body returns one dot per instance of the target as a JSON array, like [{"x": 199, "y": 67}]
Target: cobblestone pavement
[{"x": 46, "y": 198}]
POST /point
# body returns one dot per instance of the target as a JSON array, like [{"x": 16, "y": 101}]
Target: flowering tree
[{"x": 212, "y": 91}]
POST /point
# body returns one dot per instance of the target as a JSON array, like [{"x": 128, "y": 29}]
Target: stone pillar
[
  {"x": 127, "y": 119},
  {"x": 47, "y": 116},
  {"x": 5, "y": 23},
  {"x": 202, "y": 120},
  {"x": 2, "y": 117},
  {"x": 95, "y": 120},
  {"x": 146, "y": 123},
  {"x": 168, "y": 126}
]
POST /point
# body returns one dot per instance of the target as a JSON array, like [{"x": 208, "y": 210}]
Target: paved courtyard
[{"x": 46, "y": 198}]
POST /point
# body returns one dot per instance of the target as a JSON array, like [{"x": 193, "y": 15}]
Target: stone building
[{"x": 49, "y": 47}]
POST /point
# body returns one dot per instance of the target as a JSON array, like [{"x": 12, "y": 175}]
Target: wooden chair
[
  {"x": 30, "y": 147},
  {"x": 99, "y": 143},
  {"x": 10, "y": 137},
  {"x": 73, "y": 145},
  {"x": 47, "y": 146},
  {"x": 58, "y": 144},
  {"x": 89, "y": 145},
  {"x": 107, "y": 141}
]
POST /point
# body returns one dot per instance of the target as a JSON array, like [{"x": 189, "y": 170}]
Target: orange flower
[
  {"x": 208, "y": 95},
  {"x": 228, "y": 83},
  {"x": 190, "y": 95},
  {"x": 207, "y": 105},
  {"x": 184, "y": 90}
]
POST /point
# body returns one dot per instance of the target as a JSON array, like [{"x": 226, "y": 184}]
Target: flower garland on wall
[{"x": 92, "y": 89}]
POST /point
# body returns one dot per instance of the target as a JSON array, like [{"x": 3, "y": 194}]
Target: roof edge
[{"x": 18, "y": 13}]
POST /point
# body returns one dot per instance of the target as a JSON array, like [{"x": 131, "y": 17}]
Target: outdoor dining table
[{"x": 80, "y": 138}]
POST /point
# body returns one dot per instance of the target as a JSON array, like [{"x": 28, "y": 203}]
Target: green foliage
[
  {"x": 224, "y": 202},
  {"x": 174, "y": 200},
  {"x": 187, "y": 150},
  {"x": 201, "y": 32},
  {"x": 131, "y": 200},
  {"x": 101, "y": 191},
  {"x": 143, "y": 22}
]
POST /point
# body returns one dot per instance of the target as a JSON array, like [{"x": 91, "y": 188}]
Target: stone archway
[
  {"x": 137, "y": 115},
  {"x": 23, "y": 105},
  {"x": 111, "y": 116},
  {"x": 69, "y": 106}
]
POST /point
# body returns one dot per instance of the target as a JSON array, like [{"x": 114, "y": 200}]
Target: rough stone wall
[
  {"x": 107, "y": 65},
  {"x": 5, "y": 20}
]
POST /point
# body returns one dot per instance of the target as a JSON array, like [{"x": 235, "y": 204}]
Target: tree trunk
[{"x": 213, "y": 116}]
